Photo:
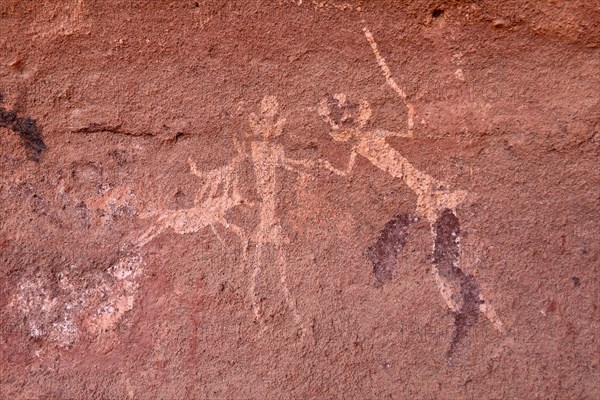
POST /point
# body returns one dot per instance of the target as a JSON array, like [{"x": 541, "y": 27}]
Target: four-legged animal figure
[{"x": 219, "y": 194}]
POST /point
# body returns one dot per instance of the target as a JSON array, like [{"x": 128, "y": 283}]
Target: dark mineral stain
[
  {"x": 438, "y": 12},
  {"x": 445, "y": 257},
  {"x": 27, "y": 129},
  {"x": 384, "y": 252}
]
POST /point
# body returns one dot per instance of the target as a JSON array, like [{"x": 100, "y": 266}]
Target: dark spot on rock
[
  {"x": 576, "y": 281},
  {"x": 438, "y": 12},
  {"x": 384, "y": 252},
  {"x": 446, "y": 251},
  {"x": 84, "y": 215},
  {"x": 445, "y": 257},
  {"x": 551, "y": 306},
  {"x": 120, "y": 156},
  {"x": 26, "y": 128},
  {"x": 563, "y": 244}
]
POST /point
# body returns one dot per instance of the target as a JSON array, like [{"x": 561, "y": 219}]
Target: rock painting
[
  {"x": 267, "y": 157},
  {"x": 264, "y": 246},
  {"x": 220, "y": 193},
  {"x": 436, "y": 202}
]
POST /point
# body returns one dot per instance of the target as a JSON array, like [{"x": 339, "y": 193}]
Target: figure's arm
[
  {"x": 194, "y": 168},
  {"x": 293, "y": 165},
  {"x": 336, "y": 171},
  {"x": 388, "y": 134},
  {"x": 392, "y": 83}
]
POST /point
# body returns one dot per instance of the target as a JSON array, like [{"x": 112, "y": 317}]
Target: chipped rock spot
[
  {"x": 61, "y": 308},
  {"x": 111, "y": 203},
  {"x": 121, "y": 297},
  {"x": 384, "y": 252}
]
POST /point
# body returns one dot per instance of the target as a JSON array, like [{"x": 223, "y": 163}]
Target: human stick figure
[
  {"x": 267, "y": 156},
  {"x": 436, "y": 202}
]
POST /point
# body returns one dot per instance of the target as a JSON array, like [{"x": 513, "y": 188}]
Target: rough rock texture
[{"x": 299, "y": 199}]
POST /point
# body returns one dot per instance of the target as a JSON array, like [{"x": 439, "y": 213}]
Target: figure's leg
[
  {"x": 225, "y": 181},
  {"x": 212, "y": 227},
  {"x": 463, "y": 291},
  {"x": 240, "y": 233},
  {"x": 289, "y": 300},
  {"x": 383, "y": 254},
  {"x": 214, "y": 182},
  {"x": 490, "y": 313},
  {"x": 256, "y": 264},
  {"x": 202, "y": 193}
]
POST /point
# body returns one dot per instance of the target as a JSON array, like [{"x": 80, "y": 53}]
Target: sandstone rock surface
[{"x": 299, "y": 199}]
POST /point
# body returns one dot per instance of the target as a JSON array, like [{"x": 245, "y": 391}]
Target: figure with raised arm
[{"x": 436, "y": 202}]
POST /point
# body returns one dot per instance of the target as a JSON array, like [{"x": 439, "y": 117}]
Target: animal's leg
[
  {"x": 212, "y": 227},
  {"x": 464, "y": 291},
  {"x": 149, "y": 235}
]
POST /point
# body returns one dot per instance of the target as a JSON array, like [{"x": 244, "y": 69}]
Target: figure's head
[
  {"x": 269, "y": 107},
  {"x": 267, "y": 124},
  {"x": 343, "y": 116}
]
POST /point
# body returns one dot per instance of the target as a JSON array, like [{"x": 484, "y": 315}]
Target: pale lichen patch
[{"x": 63, "y": 307}]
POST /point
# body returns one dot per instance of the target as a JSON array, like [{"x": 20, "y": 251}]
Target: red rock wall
[{"x": 299, "y": 199}]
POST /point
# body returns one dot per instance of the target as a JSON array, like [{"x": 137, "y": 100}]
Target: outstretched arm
[
  {"x": 388, "y": 134},
  {"x": 296, "y": 166},
  {"x": 336, "y": 171}
]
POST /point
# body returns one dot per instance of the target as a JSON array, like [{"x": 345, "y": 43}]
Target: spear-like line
[{"x": 390, "y": 80}]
